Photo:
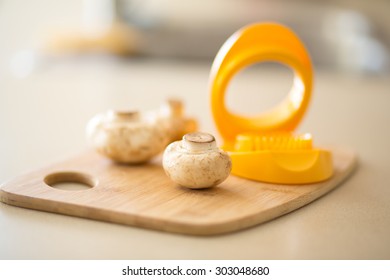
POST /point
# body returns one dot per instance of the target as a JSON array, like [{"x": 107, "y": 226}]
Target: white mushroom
[
  {"x": 126, "y": 137},
  {"x": 132, "y": 137},
  {"x": 196, "y": 162}
]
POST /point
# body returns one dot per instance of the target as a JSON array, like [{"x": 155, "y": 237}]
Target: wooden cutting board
[{"x": 143, "y": 196}]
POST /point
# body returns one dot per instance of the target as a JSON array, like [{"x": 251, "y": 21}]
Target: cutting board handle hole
[{"x": 70, "y": 181}]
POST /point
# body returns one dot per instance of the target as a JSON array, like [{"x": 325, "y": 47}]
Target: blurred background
[{"x": 347, "y": 35}]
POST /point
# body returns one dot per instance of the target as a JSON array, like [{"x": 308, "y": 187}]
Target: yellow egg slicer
[{"x": 264, "y": 147}]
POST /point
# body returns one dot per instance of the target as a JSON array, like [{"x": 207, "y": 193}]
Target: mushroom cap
[
  {"x": 196, "y": 170},
  {"x": 126, "y": 138}
]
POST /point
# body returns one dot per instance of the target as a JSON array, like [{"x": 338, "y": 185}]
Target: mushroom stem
[
  {"x": 172, "y": 108},
  {"x": 199, "y": 142}
]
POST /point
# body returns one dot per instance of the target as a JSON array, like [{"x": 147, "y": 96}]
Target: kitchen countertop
[{"x": 43, "y": 117}]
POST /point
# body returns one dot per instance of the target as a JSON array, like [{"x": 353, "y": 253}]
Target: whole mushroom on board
[
  {"x": 133, "y": 137},
  {"x": 196, "y": 162},
  {"x": 126, "y": 137}
]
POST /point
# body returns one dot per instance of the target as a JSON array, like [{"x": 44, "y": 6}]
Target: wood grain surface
[{"x": 143, "y": 196}]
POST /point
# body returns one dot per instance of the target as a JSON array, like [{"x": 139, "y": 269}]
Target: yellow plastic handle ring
[{"x": 254, "y": 44}]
